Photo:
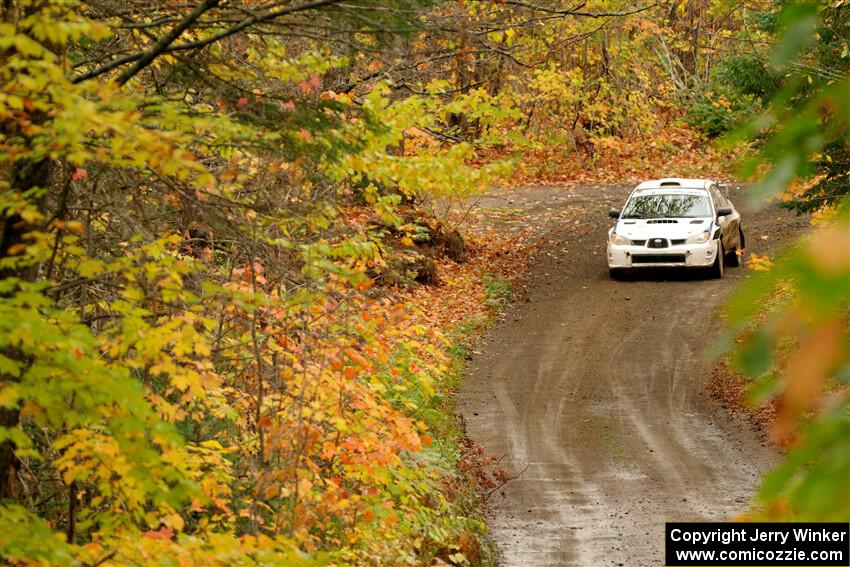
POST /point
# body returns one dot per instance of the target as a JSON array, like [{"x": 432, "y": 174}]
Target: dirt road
[{"x": 592, "y": 390}]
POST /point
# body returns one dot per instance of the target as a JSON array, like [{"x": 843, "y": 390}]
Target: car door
[{"x": 728, "y": 224}]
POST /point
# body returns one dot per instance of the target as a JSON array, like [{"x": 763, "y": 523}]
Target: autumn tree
[{"x": 193, "y": 365}]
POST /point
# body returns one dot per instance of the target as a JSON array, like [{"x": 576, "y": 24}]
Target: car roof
[
  {"x": 675, "y": 183},
  {"x": 670, "y": 191}
]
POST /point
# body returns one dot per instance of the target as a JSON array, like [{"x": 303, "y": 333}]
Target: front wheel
[
  {"x": 733, "y": 258},
  {"x": 716, "y": 269}
]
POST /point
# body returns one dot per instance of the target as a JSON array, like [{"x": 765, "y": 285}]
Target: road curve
[{"x": 592, "y": 392}]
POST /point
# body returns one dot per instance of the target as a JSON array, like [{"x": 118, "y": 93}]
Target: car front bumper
[{"x": 682, "y": 255}]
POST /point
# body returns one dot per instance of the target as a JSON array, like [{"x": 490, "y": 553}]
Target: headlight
[
  {"x": 617, "y": 239},
  {"x": 699, "y": 238}
]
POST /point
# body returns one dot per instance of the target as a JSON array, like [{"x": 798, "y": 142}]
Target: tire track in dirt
[{"x": 593, "y": 389}]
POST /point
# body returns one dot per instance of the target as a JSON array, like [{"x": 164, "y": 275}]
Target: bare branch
[
  {"x": 165, "y": 46},
  {"x": 148, "y": 57}
]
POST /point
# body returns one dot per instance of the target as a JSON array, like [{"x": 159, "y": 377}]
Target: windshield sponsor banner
[
  {"x": 673, "y": 191},
  {"x": 762, "y": 544}
]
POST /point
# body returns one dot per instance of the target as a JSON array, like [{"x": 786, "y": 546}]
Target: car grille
[
  {"x": 658, "y": 258},
  {"x": 663, "y": 244},
  {"x": 657, "y": 243}
]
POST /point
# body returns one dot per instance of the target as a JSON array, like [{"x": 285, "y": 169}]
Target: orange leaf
[{"x": 164, "y": 533}]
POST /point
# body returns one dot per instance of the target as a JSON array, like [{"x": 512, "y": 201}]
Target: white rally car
[{"x": 675, "y": 223}]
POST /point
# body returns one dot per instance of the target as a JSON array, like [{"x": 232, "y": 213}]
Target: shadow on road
[{"x": 665, "y": 275}]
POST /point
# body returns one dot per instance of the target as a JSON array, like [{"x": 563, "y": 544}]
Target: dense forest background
[{"x": 213, "y": 210}]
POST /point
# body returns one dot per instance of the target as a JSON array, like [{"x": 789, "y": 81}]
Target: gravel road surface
[{"x": 593, "y": 392}]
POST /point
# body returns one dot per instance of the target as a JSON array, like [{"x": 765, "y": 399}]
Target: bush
[
  {"x": 718, "y": 111},
  {"x": 747, "y": 75}
]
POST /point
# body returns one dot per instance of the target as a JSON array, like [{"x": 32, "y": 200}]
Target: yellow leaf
[
  {"x": 759, "y": 263},
  {"x": 174, "y": 521}
]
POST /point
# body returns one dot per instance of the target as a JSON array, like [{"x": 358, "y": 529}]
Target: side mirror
[
  {"x": 724, "y": 212},
  {"x": 614, "y": 214}
]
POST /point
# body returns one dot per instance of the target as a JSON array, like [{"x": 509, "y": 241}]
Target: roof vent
[{"x": 669, "y": 184}]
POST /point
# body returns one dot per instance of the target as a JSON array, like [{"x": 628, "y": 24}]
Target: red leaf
[{"x": 311, "y": 84}]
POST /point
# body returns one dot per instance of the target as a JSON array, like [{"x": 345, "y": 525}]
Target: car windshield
[{"x": 668, "y": 205}]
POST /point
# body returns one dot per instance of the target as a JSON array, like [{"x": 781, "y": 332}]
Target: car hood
[{"x": 641, "y": 229}]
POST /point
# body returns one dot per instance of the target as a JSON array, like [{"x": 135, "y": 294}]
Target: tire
[
  {"x": 732, "y": 257},
  {"x": 716, "y": 270},
  {"x": 617, "y": 273}
]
